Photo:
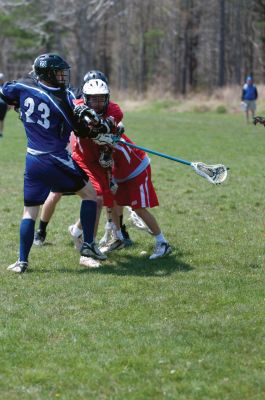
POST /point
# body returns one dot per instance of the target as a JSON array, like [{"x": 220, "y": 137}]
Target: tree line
[{"x": 174, "y": 45}]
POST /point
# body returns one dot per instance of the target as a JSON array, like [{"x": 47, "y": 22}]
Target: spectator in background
[
  {"x": 249, "y": 97},
  {"x": 3, "y": 107}
]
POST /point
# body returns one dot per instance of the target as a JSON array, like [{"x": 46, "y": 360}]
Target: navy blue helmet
[
  {"x": 95, "y": 74},
  {"x": 52, "y": 69}
]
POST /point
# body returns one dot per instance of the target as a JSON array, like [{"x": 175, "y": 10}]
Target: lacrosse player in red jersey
[{"x": 132, "y": 173}]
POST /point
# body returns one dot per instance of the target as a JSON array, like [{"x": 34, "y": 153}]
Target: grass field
[{"x": 190, "y": 326}]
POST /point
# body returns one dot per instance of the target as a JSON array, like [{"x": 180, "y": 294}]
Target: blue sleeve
[
  {"x": 71, "y": 97},
  {"x": 11, "y": 93}
]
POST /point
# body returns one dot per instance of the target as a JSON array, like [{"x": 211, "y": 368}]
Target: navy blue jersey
[{"x": 46, "y": 113}]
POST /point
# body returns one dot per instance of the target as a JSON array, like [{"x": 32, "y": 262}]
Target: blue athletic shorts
[{"x": 56, "y": 172}]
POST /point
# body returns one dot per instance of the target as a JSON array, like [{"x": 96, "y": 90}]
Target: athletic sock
[
  {"x": 88, "y": 218},
  {"x": 26, "y": 238},
  {"x": 43, "y": 226},
  {"x": 160, "y": 238}
]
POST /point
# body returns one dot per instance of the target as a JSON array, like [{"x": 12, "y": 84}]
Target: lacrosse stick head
[{"x": 213, "y": 173}]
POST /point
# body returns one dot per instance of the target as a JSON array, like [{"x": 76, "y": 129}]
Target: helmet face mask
[
  {"x": 96, "y": 95},
  {"x": 52, "y": 69},
  {"x": 62, "y": 77}
]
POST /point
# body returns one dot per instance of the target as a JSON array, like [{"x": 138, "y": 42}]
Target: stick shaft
[{"x": 156, "y": 153}]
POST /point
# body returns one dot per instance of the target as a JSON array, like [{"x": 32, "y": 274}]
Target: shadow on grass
[
  {"x": 122, "y": 263},
  {"x": 129, "y": 265},
  {"x": 141, "y": 266}
]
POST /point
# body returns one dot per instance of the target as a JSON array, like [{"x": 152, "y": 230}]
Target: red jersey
[
  {"x": 85, "y": 149},
  {"x": 132, "y": 172},
  {"x": 86, "y": 153},
  {"x": 128, "y": 162}
]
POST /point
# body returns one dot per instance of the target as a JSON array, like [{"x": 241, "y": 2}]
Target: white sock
[
  {"x": 76, "y": 232},
  {"x": 160, "y": 238}
]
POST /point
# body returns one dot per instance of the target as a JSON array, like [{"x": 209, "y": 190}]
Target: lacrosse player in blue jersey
[{"x": 46, "y": 109}]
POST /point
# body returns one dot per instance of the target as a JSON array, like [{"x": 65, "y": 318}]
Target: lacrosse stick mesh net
[{"x": 213, "y": 173}]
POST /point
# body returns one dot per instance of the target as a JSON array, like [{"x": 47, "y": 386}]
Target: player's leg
[
  {"x": 76, "y": 230},
  {"x": 162, "y": 246},
  {"x": 88, "y": 212},
  {"x": 35, "y": 194},
  {"x": 136, "y": 220},
  {"x": 47, "y": 211},
  {"x": 27, "y": 226},
  {"x": 143, "y": 193},
  {"x": 116, "y": 236}
]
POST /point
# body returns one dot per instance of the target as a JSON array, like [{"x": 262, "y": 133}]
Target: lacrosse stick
[{"x": 213, "y": 173}]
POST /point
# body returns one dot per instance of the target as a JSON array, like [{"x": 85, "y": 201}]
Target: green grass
[{"x": 190, "y": 326}]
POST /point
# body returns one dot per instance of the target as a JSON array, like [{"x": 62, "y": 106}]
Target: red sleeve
[
  {"x": 78, "y": 102},
  {"x": 114, "y": 111}
]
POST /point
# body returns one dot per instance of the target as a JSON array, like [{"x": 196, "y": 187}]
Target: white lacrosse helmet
[{"x": 96, "y": 95}]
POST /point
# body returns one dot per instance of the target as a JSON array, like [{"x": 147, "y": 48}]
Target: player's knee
[
  {"x": 87, "y": 192},
  {"x": 54, "y": 198}
]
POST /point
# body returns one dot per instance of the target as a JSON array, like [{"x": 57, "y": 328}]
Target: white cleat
[
  {"x": 161, "y": 250},
  {"x": 18, "y": 267},
  {"x": 89, "y": 262}
]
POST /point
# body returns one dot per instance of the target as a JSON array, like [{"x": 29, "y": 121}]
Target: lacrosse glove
[{"x": 82, "y": 112}]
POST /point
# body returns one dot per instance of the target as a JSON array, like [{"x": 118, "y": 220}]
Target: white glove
[{"x": 104, "y": 138}]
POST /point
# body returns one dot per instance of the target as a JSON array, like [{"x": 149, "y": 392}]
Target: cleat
[
  {"x": 161, "y": 250},
  {"x": 115, "y": 244},
  {"x": 91, "y": 250},
  {"x": 39, "y": 238},
  {"x": 108, "y": 235},
  {"x": 89, "y": 262},
  {"x": 18, "y": 266},
  {"x": 128, "y": 242},
  {"x": 78, "y": 240}
]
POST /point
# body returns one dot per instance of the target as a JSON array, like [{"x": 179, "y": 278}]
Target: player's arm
[
  {"x": 9, "y": 93},
  {"x": 90, "y": 124}
]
